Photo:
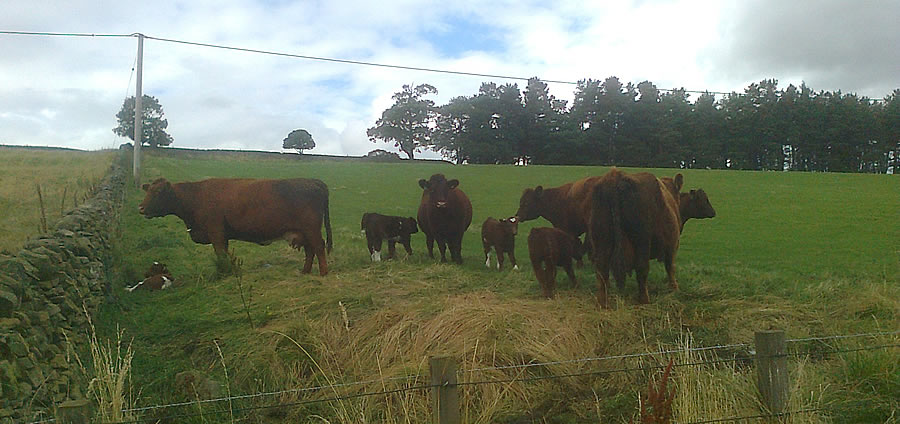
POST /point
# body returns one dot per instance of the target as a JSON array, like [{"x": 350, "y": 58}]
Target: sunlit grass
[{"x": 809, "y": 253}]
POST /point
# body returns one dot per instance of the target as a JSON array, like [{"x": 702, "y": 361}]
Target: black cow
[{"x": 394, "y": 229}]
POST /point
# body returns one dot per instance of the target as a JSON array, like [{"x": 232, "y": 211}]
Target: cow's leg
[
  {"x": 456, "y": 249},
  {"x": 602, "y": 272},
  {"x": 551, "y": 280},
  {"x": 541, "y": 276},
  {"x": 670, "y": 271},
  {"x": 442, "y": 246},
  {"x": 487, "y": 257},
  {"x": 429, "y": 243},
  {"x": 224, "y": 265},
  {"x": 391, "y": 249},
  {"x": 567, "y": 265},
  {"x": 407, "y": 246},
  {"x": 641, "y": 271},
  {"x": 323, "y": 262},
  {"x": 512, "y": 259},
  {"x": 499, "y": 258}
]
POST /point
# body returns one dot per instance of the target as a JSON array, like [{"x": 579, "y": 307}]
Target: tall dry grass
[{"x": 108, "y": 376}]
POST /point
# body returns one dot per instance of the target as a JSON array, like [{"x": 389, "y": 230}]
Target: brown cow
[
  {"x": 635, "y": 217},
  {"x": 380, "y": 227},
  {"x": 567, "y": 207},
  {"x": 501, "y": 235},
  {"x": 549, "y": 248},
  {"x": 445, "y": 213},
  {"x": 260, "y": 211}
]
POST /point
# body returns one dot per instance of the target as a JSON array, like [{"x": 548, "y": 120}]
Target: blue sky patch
[{"x": 457, "y": 35}]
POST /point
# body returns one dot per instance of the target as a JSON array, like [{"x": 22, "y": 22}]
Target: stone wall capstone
[{"x": 46, "y": 291}]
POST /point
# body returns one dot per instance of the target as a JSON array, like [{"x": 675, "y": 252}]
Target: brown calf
[
  {"x": 549, "y": 248},
  {"x": 501, "y": 235}
]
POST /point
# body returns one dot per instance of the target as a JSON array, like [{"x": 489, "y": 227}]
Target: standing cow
[
  {"x": 635, "y": 217},
  {"x": 549, "y": 248},
  {"x": 394, "y": 229},
  {"x": 445, "y": 213},
  {"x": 260, "y": 211},
  {"x": 567, "y": 207},
  {"x": 501, "y": 236}
]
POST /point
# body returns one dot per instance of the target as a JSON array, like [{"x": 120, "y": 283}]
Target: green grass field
[
  {"x": 65, "y": 177},
  {"x": 813, "y": 254}
]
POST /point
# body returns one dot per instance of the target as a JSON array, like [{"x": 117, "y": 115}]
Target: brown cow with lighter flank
[
  {"x": 445, "y": 213},
  {"x": 501, "y": 235},
  {"x": 549, "y": 248},
  {"x": 394, "y": 229},
  {"x": 567, "y": 207},
  {"x": 635, "y": 217},
  {"x": 260, "y": 211}
]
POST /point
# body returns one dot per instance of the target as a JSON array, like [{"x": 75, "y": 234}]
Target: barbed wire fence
[{"x": 442, "y": 383}]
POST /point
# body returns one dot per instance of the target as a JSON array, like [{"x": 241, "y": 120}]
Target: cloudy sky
[{"x": 65, "y": 91}]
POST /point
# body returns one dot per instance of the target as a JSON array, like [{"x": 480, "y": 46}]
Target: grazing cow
[
  {"x": 501, "y": 235},
  {"x": 549, "y": 248},
  {"x": 380, "y": 227},
  {"x": 635, "y": 217},
  {"x": 567, "y": 207},
  {"x": 445, "y": 213},
  {"x": 260, "y": 211},
  {"x": 157, "y": 277}
]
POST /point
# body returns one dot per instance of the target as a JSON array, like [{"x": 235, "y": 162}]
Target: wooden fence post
[
  {"x": 74, "y": 412},
  {"x": 444, "y": 395},
  {"x": 771, "y": 369}
]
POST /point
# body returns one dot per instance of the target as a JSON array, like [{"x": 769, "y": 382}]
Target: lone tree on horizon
[
  {"x": 153, "y": 122},
  {"x": 300, "y": 140}
]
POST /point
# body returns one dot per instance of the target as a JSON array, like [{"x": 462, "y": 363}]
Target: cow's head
[
  {"x": 156, "y": 268},
  {"x": 529, "y": 204},
  {"x": 160, "y": 199},
  {"x": 408, "y": 226},
  {"x": 510, "y": 225},
  {"x": 438, "y": 189},
  {"x": 696, "y": 205}
]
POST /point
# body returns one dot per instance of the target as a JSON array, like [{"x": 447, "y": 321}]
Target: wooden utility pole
[{"x": 138, "y": 112}]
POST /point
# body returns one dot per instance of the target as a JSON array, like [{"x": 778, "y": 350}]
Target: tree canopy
[
  {"x": 299, "y": 140},
  {"x": 610, "y": 122},
  {"x": 153, "y": 122},
  {"x": 408, "y": 123}
]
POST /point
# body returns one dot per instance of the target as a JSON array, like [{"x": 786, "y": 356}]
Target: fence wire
[{"x": 522, "y": 367}]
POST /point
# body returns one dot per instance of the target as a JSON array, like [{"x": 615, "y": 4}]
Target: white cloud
[{"x": 65, "y": 91}]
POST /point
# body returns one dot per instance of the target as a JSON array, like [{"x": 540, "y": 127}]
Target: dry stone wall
[{"x": 46, "y": 291}]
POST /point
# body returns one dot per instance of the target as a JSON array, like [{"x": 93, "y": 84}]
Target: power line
[{"x": 329, "y": 59}]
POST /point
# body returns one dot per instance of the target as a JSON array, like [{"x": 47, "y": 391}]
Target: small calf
[
  {"x": 157, "y": 277},
  {"x": 501, "y": 235},
  {"x": 549, "y": 248},
  {"x": 378, "y": 227}
]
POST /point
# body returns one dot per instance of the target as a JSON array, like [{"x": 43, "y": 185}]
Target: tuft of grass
[{"x": 108, "y": 375}]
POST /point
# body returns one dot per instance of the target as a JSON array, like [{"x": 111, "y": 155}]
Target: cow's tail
[
  {"x": 623, "y": 189},
  {"x": 328, "y": 245}
]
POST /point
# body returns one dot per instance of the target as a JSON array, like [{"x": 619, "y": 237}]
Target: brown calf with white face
[
  {"x": 394, "y": 229},
  {"x": 260, "y": 211},
  {"x": 445, "y": 213},
  {"x": 549, "y": 248},
  {"x": 501, "y": 236}
]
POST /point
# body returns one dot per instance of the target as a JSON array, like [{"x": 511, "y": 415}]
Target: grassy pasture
[
  {"x": 814, "y": 254},
  {"x": 65, "y": 177}
]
